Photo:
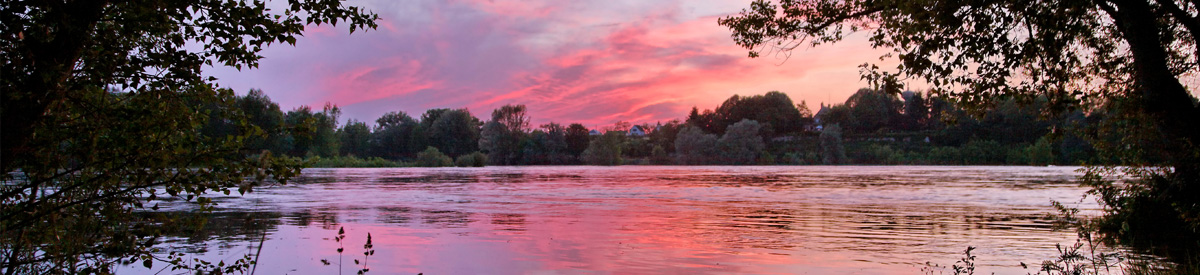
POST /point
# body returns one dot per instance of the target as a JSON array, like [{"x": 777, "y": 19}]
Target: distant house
[
  {"x": 817, "y": 125},
  {"x": 593, "y": 132},
  {"x": 636, "y": 131}
]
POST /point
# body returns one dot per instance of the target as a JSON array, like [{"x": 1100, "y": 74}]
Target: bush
[
  {"x": 659, "y": 156},
  {"x": 832, "y": 151},
  {"x": 945, "y": 155},
  {"x": 694, "y": 146},
  {"x": 350, "y": 162},
  {"x": 476, "y": 159},
  {"x": 431, "y": 157},
  {"x": 882, "y": 154},
  {"x": 605, "y": 150},
  {"x": 741, "y": 143}
]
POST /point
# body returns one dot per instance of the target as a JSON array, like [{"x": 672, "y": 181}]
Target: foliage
[
  {"x": 313, "y": 133},
  {"x": 103, "y": 105},
  {"x": 475, "y": 159},
  {"x": 605, "y": 150},
  {"x": 431, "y": 157},
  {"x": 547, "y": 145},
  {"x": 741, "y": 143},
  {"x": 393, "y": 136},
  {"x": 266, "y": 115},
  {"x": 873, "y": 111},
  {"x": 1040, "y": 152},
  {"x": 659, "y": 156},
  {"x": 694, "y": 146},
  {"x": 774, "y": 109},
  {"x": 577, "y": 139},
  {"x": 355, "y": 139},
  {"x": 455, "y": 132},
  {"x": 501, "y": 137},
  {"x": 350, "y": 161},
  {"x": 664, "y": 135},
  {"x": 832, "y": 150}
]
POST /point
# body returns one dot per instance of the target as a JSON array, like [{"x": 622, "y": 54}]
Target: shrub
[
  {"x": 476, "y": 159},
  {"x": 431, "y": 157},
  {"x": 350, "y": 161},
  {"x": 659, "y": 156},
  {"x": 605, "y": 150}
]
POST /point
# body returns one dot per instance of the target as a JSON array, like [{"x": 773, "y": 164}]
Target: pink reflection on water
[{"x": 788, "y": 220}]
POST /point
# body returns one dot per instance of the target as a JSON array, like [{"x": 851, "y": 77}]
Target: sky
[{"x": 589, "y": 62}]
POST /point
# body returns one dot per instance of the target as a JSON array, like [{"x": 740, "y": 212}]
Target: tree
[
  {"x": 604, "y": 150},
  {"x": 313, "y": 133},
  {"x": 393, "y": 136},
  {"x": 547, "y": 145},
  {"x": 916, "y": 111},
  {"x": 577, "y": 139},
  {"x": 502, "y": 136},
  {"x": 741, "y": 143},
  {"x": 873, "y": 111},
  {"x": 694, "y": 146},
  {"x": 266, "y": 115},
  {"x": 1124, "y": 54},
  {"x": 355, "y": 139},
  {"x": 832, "y": 151},
  {"x": 664, "y": 135},
  {"x": 431, "y": 157},
  {"x": 455, "y": 132},
  {"x": 806, "y": 115},
  {"x": 774, "y": 110},
  {"x": 512, "y": 117},
  {"x": 101, "y": 102},
  {"x": 838, "y": 114}
]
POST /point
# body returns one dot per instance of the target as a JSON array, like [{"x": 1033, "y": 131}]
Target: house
[
  {"x": 593, "y": 132},
  {"x": 816, "y": 125},
  {"x": 636, "y": 131}
]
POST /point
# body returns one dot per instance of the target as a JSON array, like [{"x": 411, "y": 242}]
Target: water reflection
[{"x": 645, "y": 219}]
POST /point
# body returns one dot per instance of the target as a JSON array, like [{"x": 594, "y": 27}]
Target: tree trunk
[
  {"x": 1163, "y": 97},
  {"x": 52, "y": 53}
]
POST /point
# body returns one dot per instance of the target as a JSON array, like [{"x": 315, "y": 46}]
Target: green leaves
[{"x": 105, "y": 103}]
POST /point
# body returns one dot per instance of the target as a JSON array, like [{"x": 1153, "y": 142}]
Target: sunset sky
[{"x": 592, "y": 62}]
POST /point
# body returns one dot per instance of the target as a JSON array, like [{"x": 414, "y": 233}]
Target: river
[{"x": 645, "y": 219}]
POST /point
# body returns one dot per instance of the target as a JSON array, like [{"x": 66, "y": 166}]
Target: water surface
[{"x": 646, "y": 219}]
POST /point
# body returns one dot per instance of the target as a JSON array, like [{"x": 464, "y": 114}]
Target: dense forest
[{"x": 871, "y": 127}]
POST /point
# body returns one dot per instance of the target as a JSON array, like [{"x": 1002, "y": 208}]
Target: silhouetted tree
[
  {"x": 577, "y": 139},
  {"x": 873, "y": 111},
  {"x": 393, "y": 136},
  {"x": 266, "y": 115},
  {"x": 355, "y": 139},
  {"x": 455, "y": 132},
  {"x": 501, "y": 137}
]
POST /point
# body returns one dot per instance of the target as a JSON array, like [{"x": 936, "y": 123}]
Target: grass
[{"x": 352, "y": 162}]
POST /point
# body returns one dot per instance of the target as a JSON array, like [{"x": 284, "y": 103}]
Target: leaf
[{"x": 147, "y": 263}]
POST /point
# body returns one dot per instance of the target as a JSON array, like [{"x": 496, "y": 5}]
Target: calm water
[{"x": 646, "y": 219}]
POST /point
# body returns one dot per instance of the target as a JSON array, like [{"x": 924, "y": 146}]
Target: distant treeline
[{"x": 871, "y": 127}]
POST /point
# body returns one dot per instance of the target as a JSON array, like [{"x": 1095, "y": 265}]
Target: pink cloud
[{"x": 588, "y": 62}]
